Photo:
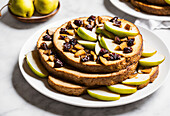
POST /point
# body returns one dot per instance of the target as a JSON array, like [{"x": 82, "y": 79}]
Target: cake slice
[{"x": 66, "y": 87}]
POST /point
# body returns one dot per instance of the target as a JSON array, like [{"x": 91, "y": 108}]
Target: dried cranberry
[
  {"x": 58, "y": 63},
  {"x": 117, "y": 40},
  {"x": 85, "y": 59},
  {"x": 114, "y": 56},
  {"x": 103, "y": 51},
  {"x": 73, "y": 41},
  {"x": 127, "y": 50},
  {"x": 66, "y": 46},
  {"x": 78, "y": 22},
  {"x": 91, "y": 18},
  {"x": 44, "y": 46},
  {"x": 89, "y": 27},
  {"x": 47, "y": 38},
  {"x": 63, "y": 31},
  {"x": 130, "y": 42},
  {"x": 116, "y": 22}
]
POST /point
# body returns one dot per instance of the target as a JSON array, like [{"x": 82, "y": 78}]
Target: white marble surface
[{"x": 18, "y": 98}]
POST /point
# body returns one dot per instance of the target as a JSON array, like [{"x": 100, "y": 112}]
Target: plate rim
[
  {"x": 141, "y": 15},
  {"x": 20, "y": 60}
]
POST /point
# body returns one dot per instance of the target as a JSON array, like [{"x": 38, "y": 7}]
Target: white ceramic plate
[
  {"x": 86, "y": 101},
  {"x": 129, "y": 9}
]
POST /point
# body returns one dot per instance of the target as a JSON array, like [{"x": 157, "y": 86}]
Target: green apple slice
[
  {"x": 122, "y": 89},
  {"x": 86, "y": 34},
  {"x": 35, "y": 65},
  {"x": 87, "y": 44},
  {"x": 167, "y": 1},
  {"x": 97, "y": 48},
  {"x": 119, "y": 31},
  {"x": 106, "y": 33},
  {"x": 138, "y": 80},
  {"x": 108, "y": 44},
  {"x": 154, "y": 60},
  {"x": 103, "y": 94},
  {"x": 147, "y": 50}
]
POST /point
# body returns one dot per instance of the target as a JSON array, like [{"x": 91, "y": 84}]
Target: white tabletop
[{"x": 18, "y": 98}]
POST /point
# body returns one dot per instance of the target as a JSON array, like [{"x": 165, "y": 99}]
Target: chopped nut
[
  {"x": 47, "y": 52},
  {"x": 41, "y": 51},
  {"x": 45, "y": 57},
  {"x": 51, "y": 64},
  {"x": 52, "y": 57},
  {"x": 103, "y": 60},
  {"x": 106, "y": 55},
  {"x": 102, "y": 20},
  {"x": 127, "y": 27},
  {"x": 124, "y": 39},
  {"x": 70, "y": 32},
  {"x": 73, "y": 50},
  {"x": 123, "y": 45},
  {"x": 94, "y": 55},
  {"x": 79, "y": 47},
  {"x": 79, "y": 53},
  {"x": 146, "y": 71}
]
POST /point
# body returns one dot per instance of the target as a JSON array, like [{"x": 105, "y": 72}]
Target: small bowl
[{"x": 36, "y": 18}]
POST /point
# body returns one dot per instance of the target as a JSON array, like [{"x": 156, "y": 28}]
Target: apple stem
[{"x": 3, "y": 8}]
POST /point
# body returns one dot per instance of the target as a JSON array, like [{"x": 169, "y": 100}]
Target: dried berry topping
[
  {"x": 78, "y": 22},
  {"x": 47, "y": 38},
  {"x": 114, "y": 56},
  {"x": 130, "y": 42},
  {"x": 103, "y": 51},
  {"x": 116, "y": 22},
  {"x": 89, "y": 27},
  {"x": 73, "y": 41},
  {"x": 91, "y": 18},
  {"x": 127, "y": 50},
  {"x": 85, "y": 58},
  {"x": 44, "y": 46},
  {"x": 58, "y": 63},
  {"x": 117, "y": 40},
  {"x": 66, "y": 46},
  {"x": 63, "y": 31}
]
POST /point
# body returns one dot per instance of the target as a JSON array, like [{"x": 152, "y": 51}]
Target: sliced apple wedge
[
  {"x": 121, "y": 32},
  {"x": 87, "y": 44},
  {"x": 97, "y": 48},
  {"x": 122, "y": 89},
  {"x": 147, "y": 50},
  {"x": 35, "y": 65},
  {"x": 154, "y": 60},
  {"x": 108, "y": 44},
  {"x": 103, "y": 31},
  {"x": 86, "y": 34},
  {"x": 138, "y": 80},
  {"x": 103, "y": 94}
]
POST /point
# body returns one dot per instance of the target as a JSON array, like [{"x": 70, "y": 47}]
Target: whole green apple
[
  {"x": 24, "y": 8},
  {"x": 45, "y": 6}
]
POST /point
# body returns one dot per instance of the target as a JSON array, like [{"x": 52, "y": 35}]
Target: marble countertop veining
[{"x": 18, "y": 98}]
